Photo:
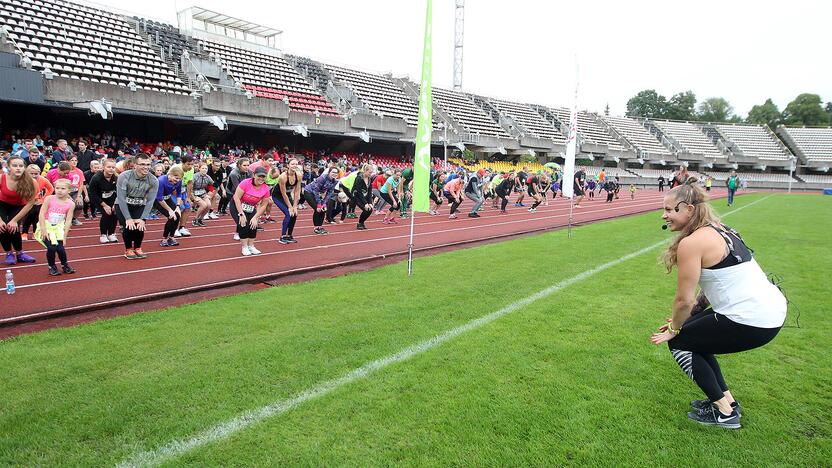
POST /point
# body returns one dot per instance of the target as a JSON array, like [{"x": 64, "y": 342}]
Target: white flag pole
[{"x": 571, "y": 148}]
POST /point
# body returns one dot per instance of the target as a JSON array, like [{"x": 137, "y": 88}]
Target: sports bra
[{"x": 738, "y": 252}]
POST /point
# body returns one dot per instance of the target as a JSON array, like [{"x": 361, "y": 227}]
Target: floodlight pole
[
  {"x": 791, "y": 171},
  {"x": 445, "y": 147}
]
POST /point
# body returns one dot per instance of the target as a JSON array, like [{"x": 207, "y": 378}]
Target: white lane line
[
  {"x": 303, "y": 249},
  {"x": 225, "y": 429}
]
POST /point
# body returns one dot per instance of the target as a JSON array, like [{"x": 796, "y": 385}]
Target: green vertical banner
[{"x": 424, "y": 128}]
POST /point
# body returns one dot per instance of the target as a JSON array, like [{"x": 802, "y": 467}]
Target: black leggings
[
  {"x": 52, "y": 249},
  {"x": 709, "y": 333},
  {"x": 31, "y": 220},
  {"x": 503, "y": 200},
  {"x": 387, "y": 198},
  {"x": 333, "y": 207},
  {"x": 454, "y": 204},
  {"x": 222, "y": 205},
  {"x": 107, "y": 223},
  {"x": 8, "y": 240},
  {"x": 317, "y": 216},
  {"x": 172, "y": 223},
  {"x": 245, "y": 232},
  {"x": 365, "y": 213},
  {"x": 435, "y": 199},
  {"x": 132, "y": 237}
]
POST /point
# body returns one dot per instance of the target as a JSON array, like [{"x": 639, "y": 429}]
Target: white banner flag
[{"x": 571, "y": 146}]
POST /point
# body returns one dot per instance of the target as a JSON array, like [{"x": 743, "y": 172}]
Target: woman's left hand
[{"x": 253, "y": 223}]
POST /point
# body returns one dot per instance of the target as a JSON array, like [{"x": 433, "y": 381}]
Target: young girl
[
  {"x": 44, "y": 189},
  {"x": 632, "y": 191},
  {"x": 53, "y": 225}
]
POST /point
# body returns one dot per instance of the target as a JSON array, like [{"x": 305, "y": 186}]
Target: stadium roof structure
[{"x": 209, "y": 16}]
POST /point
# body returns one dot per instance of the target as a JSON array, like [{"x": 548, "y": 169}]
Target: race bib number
[
  {"x": 199, "y": 192},
  {"x": 248, "y": 208}
]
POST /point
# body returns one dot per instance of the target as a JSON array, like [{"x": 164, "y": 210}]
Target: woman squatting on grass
[{"x": 738, "y": 308}]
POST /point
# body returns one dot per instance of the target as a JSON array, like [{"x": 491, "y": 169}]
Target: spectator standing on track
[
  {"x": 661, "y": 183},
  {"x": 733, "y": 183},
  {"x": 738, "y": 308},
  {"x": 709, "y": 182},
  {"x": 103, "y": 196},
  {"x": 17, "y": 196},
  {"x": 632, "y": 191},
  {"x": 54, "y": 228},
  {"x": 135, "y": 194}
]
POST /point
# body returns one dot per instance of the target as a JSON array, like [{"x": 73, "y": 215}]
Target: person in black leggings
[
  {"x": 362, "y": 194},
  {"x": 135, "y": 193},
  {"x": 738, "y": 308},
  {"x": 504, "y": 190},
  {"x": 316, "y": 193},
  {"x": 102, "y": 190}
]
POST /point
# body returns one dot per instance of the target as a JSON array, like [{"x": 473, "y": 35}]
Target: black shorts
[
  {"x": 532, "y": 191},
  {"x": 578, "y": 191},
  {"x": 8, "y": 211}
]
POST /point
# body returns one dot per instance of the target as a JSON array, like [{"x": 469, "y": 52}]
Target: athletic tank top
[
  {"x": 290, "y": 186},
  {"x": 738, "y": 288}
]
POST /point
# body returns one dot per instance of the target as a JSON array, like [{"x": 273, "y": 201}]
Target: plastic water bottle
[{"x": 9, "y": 282}]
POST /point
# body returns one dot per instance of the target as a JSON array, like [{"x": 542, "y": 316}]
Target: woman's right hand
[{"x": 242, "y": 221}]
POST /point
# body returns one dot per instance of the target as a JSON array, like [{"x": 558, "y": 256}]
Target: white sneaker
[
  {"x": 185, "y": 232},
  {"x": 112, "y": 238},
  {"x": 236, "y": 236},
  {"x": 213, "y": 216},
  {"x": 103, "y": 239},
  {"x": 177, "y": 233},
  {"x": 246, "y": 251},
  {"x": 254, "y": 250}
]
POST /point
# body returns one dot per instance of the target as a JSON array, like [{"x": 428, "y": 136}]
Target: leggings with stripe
[{"x": 707, "y": 333}]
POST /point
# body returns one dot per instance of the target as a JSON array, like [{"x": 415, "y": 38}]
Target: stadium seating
[
  {"x": 529, "y": 119},
  {"x": 814, "y": 144},
  {"x": 167, "y": 37},
  {"x": 751, "y": 176},
  {"x": 637, "y": 135},
  {"x": 589, "y": 130},
  {"x": 691, "y": 138},
  {"x": 755, "y": 141},
  {"x": 270, "y": 77},
  {"x": 816, "y": 178},
  {"x": 378, "y": 92},
  {"x": 466, "y": 113},
  {"x": 652, "y": 173},
  {"x": 81, "y": 42}
]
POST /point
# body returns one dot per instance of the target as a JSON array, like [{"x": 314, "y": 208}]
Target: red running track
[{"x": 210, "y": 260}]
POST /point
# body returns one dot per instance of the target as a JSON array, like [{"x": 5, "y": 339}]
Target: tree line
[{"x": 805, "y": 110}]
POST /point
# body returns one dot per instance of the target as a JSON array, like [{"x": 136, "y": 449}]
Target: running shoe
[
  {"x": 246, "y": 251},
  {"x": 351, "y": 215},
  {"x": 197, "y": 223},
  {"x": 532, "y": 210},
  {"x": 103, "y": 239},
  {"x": 23, "y": 257},
  {"x": 254, "y": 250},
  {"x": 130, "y": 254},
  {"x": 53, "y": 271},
  {"x": 67, "y": 269},
  {"x": 473, "y": 215},
  {"x": 153, "y": 216},
  {"x": 172, "y": 242},
  {"x": 177, "y": 233},
  {"x": 112, "y": 238},
  {"x": 320, "y": 230},
  {"x": 432, "y": 212},
  {"x": 140, "y": 253},
  {"x": 453, "y": 216},
  {"x": 393, "y": 221},
  {"x": 384, "y": 221},
  {"x": 236, "y": 236},
  {"x": 75, "y": 222},
  {"x": 212, "y": 215},
  {"x": 271, "y": 220},
  {"x": 184, "y": 232},
  {"x": 24, "y": 236},
  {"x": 86, "y": 216},
  {"x": 699, "y": 404},
  {"x": 284, "y": 240},
  {"x": 503, "y": 212},
  {"x": 360, "y": 226},
  {"x": 163, "y": 243},
  {"x": 330, "y": 222},
  {"x": 292, "y": 240},
  {"x": 710, "y": 416}
]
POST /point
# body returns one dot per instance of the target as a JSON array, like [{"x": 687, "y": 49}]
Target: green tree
[
  {"x": 806, "y": 109},
  {"x": 647, "y": 103},
  {"x": 715, "y": 109},
  {"x": 766, "y": 113},
  {"x": 828, "y": 111},
  {"x": 681, "y": 106}
]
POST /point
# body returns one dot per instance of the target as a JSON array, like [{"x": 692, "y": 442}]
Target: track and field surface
[
  {"x": 567, "y": 379},
  {"x": 210, "y": 259}
]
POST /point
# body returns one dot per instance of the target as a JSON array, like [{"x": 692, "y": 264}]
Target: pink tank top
[{"x": 56, "y": 210}]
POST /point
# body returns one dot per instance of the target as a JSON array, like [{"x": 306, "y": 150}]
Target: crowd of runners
[{"x": 42, "y": 198}]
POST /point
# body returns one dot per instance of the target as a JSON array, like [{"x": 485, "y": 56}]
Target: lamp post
[{"x": 445, "y": 146}]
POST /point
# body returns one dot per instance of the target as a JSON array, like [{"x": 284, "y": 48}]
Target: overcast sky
[{"x": 525, "y": 50}]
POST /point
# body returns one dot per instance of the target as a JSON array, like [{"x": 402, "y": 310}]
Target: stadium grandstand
[{"x": 214, "y": 79}]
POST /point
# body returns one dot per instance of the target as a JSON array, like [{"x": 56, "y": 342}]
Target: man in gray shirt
[{"x": 135, "y": 193}]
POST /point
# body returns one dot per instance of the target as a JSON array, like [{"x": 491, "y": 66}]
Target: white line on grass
[{"x": 248, "y": 418}]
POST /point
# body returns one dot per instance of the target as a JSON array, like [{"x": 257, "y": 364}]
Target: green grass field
[{"x": 568, "y": 379}]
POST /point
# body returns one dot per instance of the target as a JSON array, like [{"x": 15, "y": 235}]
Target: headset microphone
[{"x": 665, "y": 225}]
